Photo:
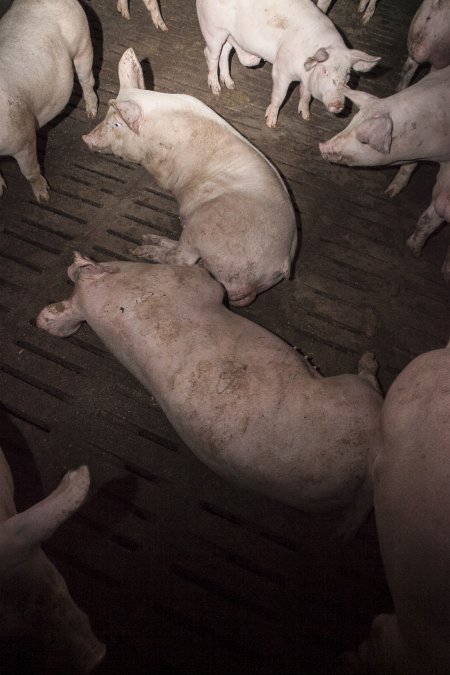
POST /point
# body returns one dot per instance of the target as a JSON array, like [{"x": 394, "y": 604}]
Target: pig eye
[{"x": 325, "y": 72}]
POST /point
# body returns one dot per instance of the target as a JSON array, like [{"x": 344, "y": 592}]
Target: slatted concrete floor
[{"x": 180, "y": 571}]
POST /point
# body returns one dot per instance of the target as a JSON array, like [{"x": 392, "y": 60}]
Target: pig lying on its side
[
  {"x": 153, "y": 8},
  {"x": 428, "y": 39},
  {"x": 365, "y": 7},
  {"x": 244, "y": 401},
  {"x": 299, "y": 40},
  {"x": 34, "y": 600},
  {"x": 397, "y": 130},
  {"x": 40, "y": 42},
  {"x": 235, "y": 211},
  {"x": 412, "y": 503}
]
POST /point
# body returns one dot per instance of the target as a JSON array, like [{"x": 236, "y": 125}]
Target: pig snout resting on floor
[
  {"x": 35, "y": 604},
  {"x": 428, "y": 39},
  {"x": 397, "y": 130},
  {"x": 236, "y": 214},
  {"x": 40, "y": 42},
  {"x": 299, "y": 40},
  {"x": 244, "y": 401},
  {"x": 412, "y": 506},
  {"x": 365, "y": 7},
  {"x": 153, "y": 8}
]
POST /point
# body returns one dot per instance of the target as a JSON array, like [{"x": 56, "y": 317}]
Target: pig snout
[
  {"x": 336, "y": 105},
  {"x": 329, "y": 152},
  {"x": 96, "y": 139}
]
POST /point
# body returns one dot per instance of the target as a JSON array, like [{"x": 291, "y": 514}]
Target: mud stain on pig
[
  {"x": 279, "y": 21},
  {"x": 232, "y": 378}
]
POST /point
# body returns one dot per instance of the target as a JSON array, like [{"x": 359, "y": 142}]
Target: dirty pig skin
[
  {"x": 412, "y": 506},
  {"x": 35, "y": 603},
  {"x": 235, "y": 211},
  {"x": 41, "y": 41},
  {"x": 244, "y": 401}
]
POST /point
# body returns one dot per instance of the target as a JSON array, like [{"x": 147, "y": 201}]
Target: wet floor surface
[{"x": 180, "y": 571}]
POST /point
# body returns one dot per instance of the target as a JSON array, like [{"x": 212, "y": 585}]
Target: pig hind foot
[
  {"x": 428, "y": 222},
  {"x": 122, "y": 8},
  {"x": 368, "y": 368},
  {"x": 401, "y": 179},
  {"x": 152, "y": 6},
  {"x": 368, "y": 7},
  {"x": 164, "y": 250},
  {"x": 409, "y": 68}
]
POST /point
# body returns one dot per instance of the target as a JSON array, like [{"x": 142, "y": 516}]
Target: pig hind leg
[
  {"x": 224, "y": 65},
  {"x": 409, "y": 68},
  {"x": 29, "y": 166},
  {"x": 122, "y": 8},
  {"x": 428, "y": 222},
  {"x": 212, "y": 51},
  {"x": 401, "y": 179},
  {"x": 305, "y": 100},
  {"x": 368, "y": 7},
  {"x": 368, "y": 368},
  {"x": 83, "y": 65},
  {"x": 152, "y": 6},
  {"x": 165, "y": 250}
]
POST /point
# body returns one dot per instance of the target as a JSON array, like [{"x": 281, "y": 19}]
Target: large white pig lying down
[
  {"x": 301, "y": 41},
  {"x": 236, "y": 214},
  {"x": 40, "y": 42},
  {"x": 35, "y": 604},
  {"x": 153, "y": 8},
  {"x": 397, "y": 130},
  {"x": 244, "y": 401},
  {"x": 412, "y": 505},
  {"x": 428, "y": 39},
  {"x": 365, "y": 7}
]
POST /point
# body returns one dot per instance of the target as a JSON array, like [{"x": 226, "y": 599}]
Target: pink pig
[
  {"x": 34, "y": 599},
  {"x": 153, "y": 8}
]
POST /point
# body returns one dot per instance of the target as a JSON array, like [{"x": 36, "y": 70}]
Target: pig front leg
[
  {"x": 305, "y": 100},
  {"x": 281, "y": 83},
  {"x": 164, "y": 250},
  {"x": 83, "y": 66},
  {"x": 409, "y": 68},
  {"x": 224, "y": 65},
  {"x": 368, "y": 7},
  {"x": 28, "y": 164},
  {"x": 401, "y": 179},
  {"x": 152, "y": 6},
  {"x": 60, "y": 318}
]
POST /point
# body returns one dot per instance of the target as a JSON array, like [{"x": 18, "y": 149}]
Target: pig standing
[
  {"x": 299, "y": 40},
  {"x": 153, "y": 8},
  {"x": 235, "y": 211},
  {"x": 365, "y": 7},
  {"x": 428, "y": 39},
  {"x": 34, "y": 599},
  {"x": 412, "y": 503},
  {"x": 397, "y": 130},
  {"x": 244, "y": 401},
  {"x": 40, "y": 42}
]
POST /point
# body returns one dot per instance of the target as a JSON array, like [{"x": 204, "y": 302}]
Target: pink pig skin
[
  {"x": 398, "y": 130},
  {"x": 245, "y": 402},
  {"x": 236, "y": 214},
  {"x": 34, "y": 599},
  {"x": 41, "y": 41},
  {"x": 412, "y": 503}
]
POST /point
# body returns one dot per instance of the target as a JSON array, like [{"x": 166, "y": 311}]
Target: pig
[
  {"x": 428, "y": 39},
  {"x": 153, "y": 8},
  {"x": 236, "y": 214},
  {"x": 412, "y": 503},
  {"x": 397, "y": 130},
  {"x": 40, "y": 42},
  {"x": 365, "y": 7},
  {"x": 299, "y": 40},
  {"x": 35, "y": 604},
  {"x": 243, "y": 400}
]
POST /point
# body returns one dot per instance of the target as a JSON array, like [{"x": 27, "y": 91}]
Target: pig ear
[
  {"x": 362, "y": 62},
  {"x": 130, "y": 112},
  {"x": 376, "y": 132},
  {"x": 130, "y": 71},
  {"x": 320, "y": 56},
  {"x": 24, "y": 532},
  {"x": 360, "y": 98}
]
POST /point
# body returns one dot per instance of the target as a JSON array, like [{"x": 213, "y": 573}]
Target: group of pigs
[{"x": 251, "y": 407}]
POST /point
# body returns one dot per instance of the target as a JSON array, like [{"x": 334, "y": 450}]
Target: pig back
[{"x": 412, "y": 502}]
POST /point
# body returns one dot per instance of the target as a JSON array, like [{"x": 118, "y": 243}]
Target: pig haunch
[
  {"x": 299, "y": 40},
  {"x": 412, "y": 502},
  {"x": 245, "y": 402},
  {"x": 34, "y": 599},
  {"x": 41, "y": 41},
  {"x": 397, "y": 130},
  {"x": 153, "y": 8},
  {"x": 236, "y": 214}
]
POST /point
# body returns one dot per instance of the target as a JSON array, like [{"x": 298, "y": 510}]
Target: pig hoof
[
  {"x": 40, "y": 190},
  {"x": 91, "y": 111},
  {"x": 228, "y": 82},
  {"x": 271, "y": 118},
  {"x": 392, "y": 190},
  {"x": 305, "y": 114},
  {"x": 161, "y": 25},
  {"x": 414, "y": 246},
  {"x": 367, "y": 364},
  {"x": 215, "y": 88}
]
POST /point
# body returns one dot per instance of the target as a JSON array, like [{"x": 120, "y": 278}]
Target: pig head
[
  {"x": 412, "y": 503},
  {"x": 236, "y": 214},
  {"x": 38, "y": 618}
]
